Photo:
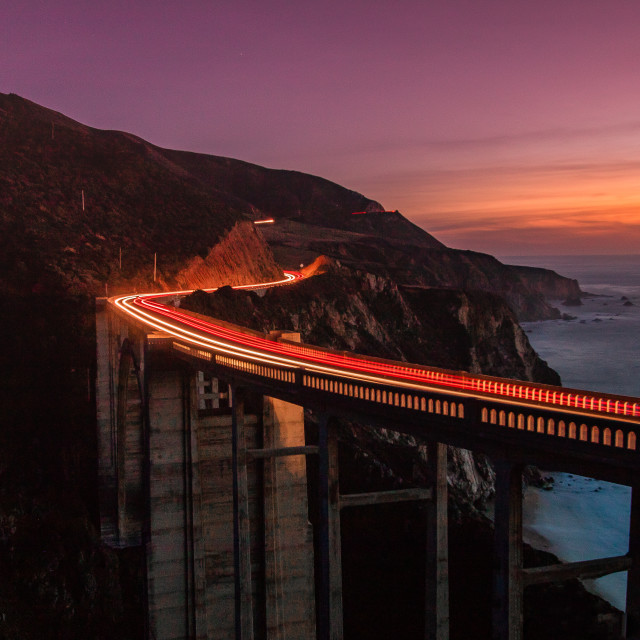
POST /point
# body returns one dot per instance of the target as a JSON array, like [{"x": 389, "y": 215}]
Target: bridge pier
[
  {"x": 175, "y": 558},
  {"x": 330, "y": 614},
  {"x": 173, "y": 443},
  {"x": 241, "y": 520},
  {"x": 633, "y": 576},
  {"x": 437, "y": 569},
  {"x": 507, "y": 569}
]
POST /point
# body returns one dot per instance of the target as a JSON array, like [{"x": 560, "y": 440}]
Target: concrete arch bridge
[{"x": 203, "y": 461}]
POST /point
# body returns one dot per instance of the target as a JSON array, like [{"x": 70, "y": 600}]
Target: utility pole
[
  {"x": 155, "y": 256},
  {"x": 83, "y": 199}
]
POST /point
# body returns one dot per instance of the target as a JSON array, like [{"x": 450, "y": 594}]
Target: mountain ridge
[{"x": 84, "y": 210}]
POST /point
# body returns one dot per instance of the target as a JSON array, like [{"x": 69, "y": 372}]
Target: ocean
[{"x": 581, "y": 518}]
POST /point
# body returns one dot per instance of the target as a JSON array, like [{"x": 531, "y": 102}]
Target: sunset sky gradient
[{"x": 499, "y": 126}]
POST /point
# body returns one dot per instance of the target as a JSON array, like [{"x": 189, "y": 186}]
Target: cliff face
[
  {"x": 383, "y": 244},
  {"x": 548, "y": 283},
  {"x": 241, "y": 257},
  {"x": 370, "y": 314}
]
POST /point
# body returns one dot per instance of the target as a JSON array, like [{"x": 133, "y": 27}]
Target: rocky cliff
[
  {"x": 549, "y": 283},
  {"x": 370, "y": 314},
  {"x": 476, "y": 331},
  {"x": 241, "y": 257},
  {"x": 384, "y": 244}
]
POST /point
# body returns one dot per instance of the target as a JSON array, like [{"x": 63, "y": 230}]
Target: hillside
[
  {"x": 84, "y": 210},
  {"x": 81, "y": 207}
]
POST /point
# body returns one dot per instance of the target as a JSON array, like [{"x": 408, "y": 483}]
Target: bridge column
[
  {"x": 241, "y": 520},
  {"x": 106, "y": 384},
  {"x": 289, "y": 585},
  {"x": 507, "y": 569},
  {"x": 330, "y": 620},
  {"x": 437, "y": 570},
  {"x": 633, "y": 577},
  {"x": 175, "y": 563}
]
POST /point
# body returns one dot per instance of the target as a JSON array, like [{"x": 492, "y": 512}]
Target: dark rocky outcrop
[
  {"x": 385, "y": 245},
  {"x": 370, "y": 314},
  {"x": 549, "y": 283},
  {"x": 241, "y": 257}
]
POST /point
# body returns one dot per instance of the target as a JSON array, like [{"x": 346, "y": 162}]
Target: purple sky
[{"x": 501, "y": 126}]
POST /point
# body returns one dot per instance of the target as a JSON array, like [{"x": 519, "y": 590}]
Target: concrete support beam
[
  {"x": 633, "y": 577},
  {"x": 288, "y": 535},
  {"x": 282, "y": 451},
  {"x": 587, "y": 569},
  {"x": 174, "y": 559},
  {"x": 507, "y": 570},
  {"x": 330, "y": 620},
  {"x": 437, "y": 568},
  {"x": 241, "y": 526},
  {"x": 106, "y": 366},
  {"x": 384, "y": 497}
]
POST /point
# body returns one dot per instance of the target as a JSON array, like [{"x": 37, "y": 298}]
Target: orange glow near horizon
[{"x": 553, "y": 211}]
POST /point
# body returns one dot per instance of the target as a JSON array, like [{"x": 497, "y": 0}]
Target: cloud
[{"x": 559, "y": 231}]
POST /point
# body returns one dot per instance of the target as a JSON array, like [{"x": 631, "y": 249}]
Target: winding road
[{"x": 218, "y": 337}]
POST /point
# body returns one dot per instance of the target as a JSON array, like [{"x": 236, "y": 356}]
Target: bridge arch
[
  {"x": 551, "y": 426},
  {"x": 631, "y": 440},
  {"x": 584, "y": 432}
]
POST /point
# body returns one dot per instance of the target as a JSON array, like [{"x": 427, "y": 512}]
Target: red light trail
[{"x": 226, "y": 339}]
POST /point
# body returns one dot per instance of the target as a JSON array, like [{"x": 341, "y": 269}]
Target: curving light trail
[{"x": 228, "y": 340}]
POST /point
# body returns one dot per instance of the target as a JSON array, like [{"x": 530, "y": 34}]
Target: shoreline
[
  {"x": 581, "y": 519},
  {"x": 531, "y": 509}
]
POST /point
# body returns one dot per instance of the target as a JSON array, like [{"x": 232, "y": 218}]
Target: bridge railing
[{"x": 590, "y": 430}]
